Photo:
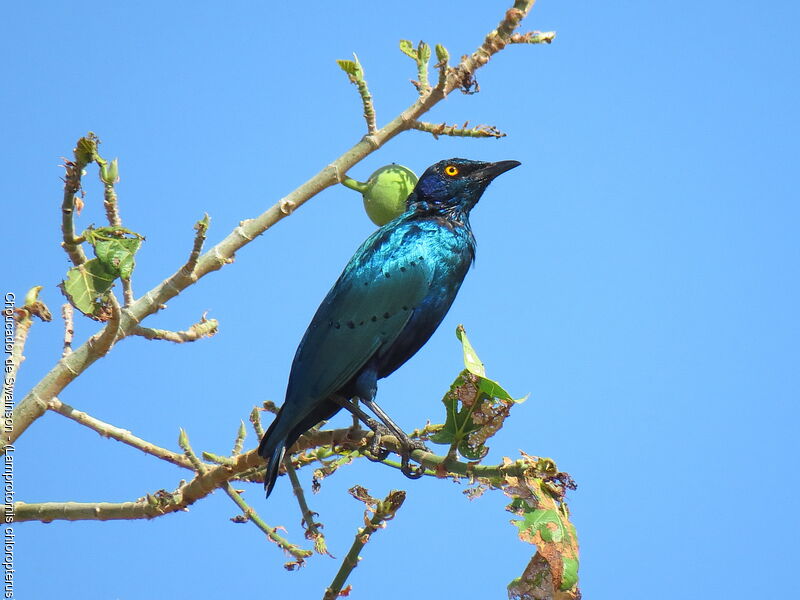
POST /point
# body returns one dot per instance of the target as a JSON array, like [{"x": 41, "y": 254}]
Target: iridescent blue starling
[{"x": 388, "y": 301}]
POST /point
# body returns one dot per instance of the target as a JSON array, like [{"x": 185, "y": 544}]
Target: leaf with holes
[
  {"x": 117, "y": 255},
  {"x": 115, "y": 247},
  {"x": 544, "y": 521},
  {"x": 476, "y": 407},
  {"x": 86, "y": 287}
]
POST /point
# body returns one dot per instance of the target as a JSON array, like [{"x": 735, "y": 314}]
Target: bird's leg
[
  {"x": 355, "y": 428},
  {"x": 375, "y": 450},
  {"x": 401, "y": 436},
  {"x": 407, "y": 444}
]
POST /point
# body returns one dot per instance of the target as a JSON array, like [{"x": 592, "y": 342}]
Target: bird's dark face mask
[{"x": 457, "y": 184}]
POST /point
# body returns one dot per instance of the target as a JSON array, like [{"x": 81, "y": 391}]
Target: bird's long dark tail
[
  {"x": 283, "y": 433},
  {"x": 272, "y": 448}
]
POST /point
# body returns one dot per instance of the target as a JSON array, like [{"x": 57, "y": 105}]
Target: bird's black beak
[{"x": 492, "y": 170}]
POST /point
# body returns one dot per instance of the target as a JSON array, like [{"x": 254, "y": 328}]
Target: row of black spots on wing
[
  {"x": 411, "y": 264},
  {"x": 352, "y": 324}
]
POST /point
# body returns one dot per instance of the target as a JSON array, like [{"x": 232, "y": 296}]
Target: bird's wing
[{"x": 362, "y": 315}]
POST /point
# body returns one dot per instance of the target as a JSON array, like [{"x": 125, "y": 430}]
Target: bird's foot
[
  {"x": 409, "y": 470},
  {"x": 376, "y": 452}
]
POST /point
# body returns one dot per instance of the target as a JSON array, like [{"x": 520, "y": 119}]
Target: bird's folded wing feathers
[{"x": 364, "y": 312}]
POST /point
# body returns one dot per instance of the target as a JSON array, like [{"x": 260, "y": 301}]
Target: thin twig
[
  {"x": 479, "y": 131},
  {"x": 255, "y": 419},
  {"x": 312, "y": 527},
  {"x": 23, "y": 319},
  {"x": 109, "y": 176},
  {"x": 116, "y": 433},
  {"x": 420, "y": 55},
  {"x": 443, "y": 56},
  {"x": 238, "y": 443},
  {"x": 384, "y": 510},
  {"x": 197, "y": 464},
  {"x": 201, "y": 229},
  {"x": 84, "y": 154},
  {"x": 205, "y": 328},
  {"x": 355, "y": 73},
  {"x": 298, "y": 553}
]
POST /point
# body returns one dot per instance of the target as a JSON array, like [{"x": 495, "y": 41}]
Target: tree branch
[
  {"x": 216, "y": 476},
  {"x": 201, "y": 227},
  {"x": 479, "y": 131},
  {"x": 298, "y": 553},
  {"x": 72, "y": 185},
  {"x": 107, "y": 430},
  {"x": 23, "y": 318},
  {"x": 205, "y": 328},
  {"x": 312, "y": 527}
]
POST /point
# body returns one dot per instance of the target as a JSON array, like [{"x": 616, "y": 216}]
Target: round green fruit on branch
[{"x": 385, "y": 192}]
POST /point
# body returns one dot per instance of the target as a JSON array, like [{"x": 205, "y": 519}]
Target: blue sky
[{"x": 637, "y": 276}]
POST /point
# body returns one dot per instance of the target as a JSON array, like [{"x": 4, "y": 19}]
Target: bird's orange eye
[{"x": 451, "y": 170}]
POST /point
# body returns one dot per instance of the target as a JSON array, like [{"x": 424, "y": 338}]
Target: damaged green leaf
[
  {"x": 476, "y": 407},
  {"x": 544, "y": 521},
  {"x": 86, "y": 287},
  {"x": 115, "y": 248}
]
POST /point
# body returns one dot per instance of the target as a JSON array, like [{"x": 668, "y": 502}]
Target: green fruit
[{"x": 385, "y": 192}]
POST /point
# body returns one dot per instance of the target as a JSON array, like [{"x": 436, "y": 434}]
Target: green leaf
[
  {"x": 86, "y": 287},
  {"x": 203, "y": 224},
  {"x": 351, "y": 67},
  {"x": 570, "y": 575},
  {"x": 86, "y": 149},
  {"x": 109, "y": 172},
  {"x": 407, "y": 48},
  {"x": 117, "y": 255},
  {"x": 545, "y": 523},
  {"x": 115, "y": 247},
  {"x": 476, "y": 407},
  {"x": 471, "y": 360}
]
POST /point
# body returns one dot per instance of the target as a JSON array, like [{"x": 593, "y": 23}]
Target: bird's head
[{"x": 454, "y": 186}]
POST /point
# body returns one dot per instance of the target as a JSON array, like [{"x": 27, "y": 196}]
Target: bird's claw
[
  {"x": 376, "y": 452},
  {"x": 409, "y": 470}
]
